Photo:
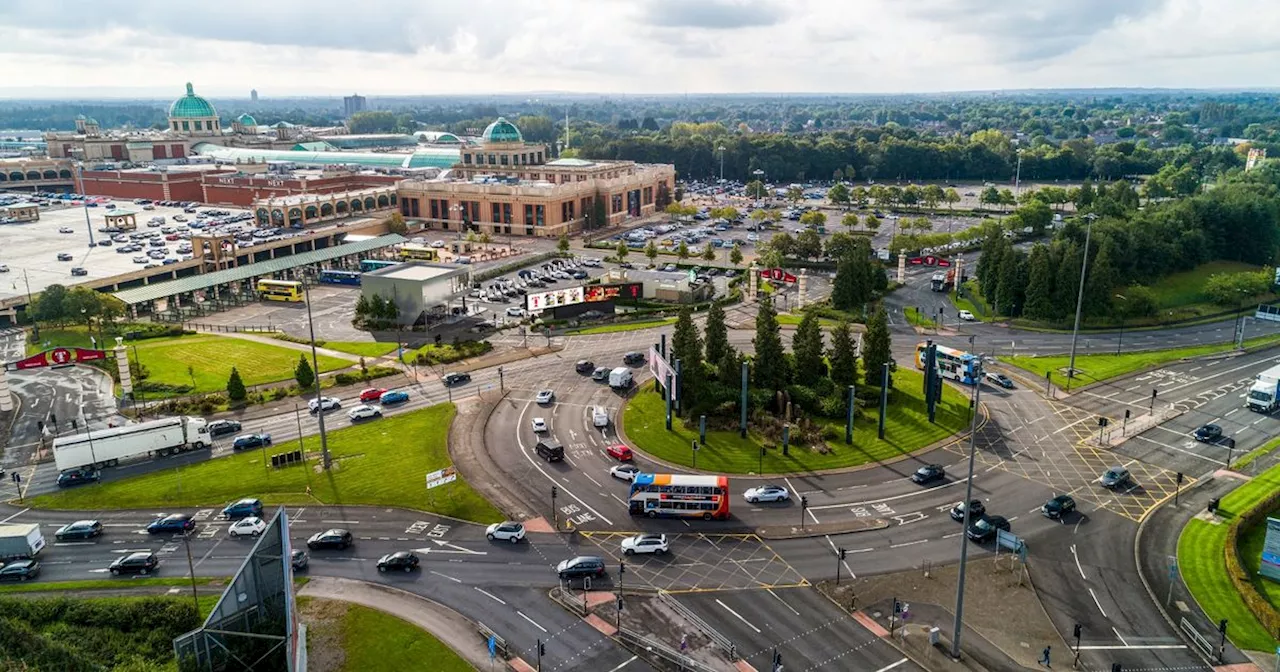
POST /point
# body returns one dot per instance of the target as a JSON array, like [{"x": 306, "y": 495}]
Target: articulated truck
[
  {"x": 106, "y": 447},
  {"x": 1264, "y": 395},
  {"x": 942, "y": 282}
]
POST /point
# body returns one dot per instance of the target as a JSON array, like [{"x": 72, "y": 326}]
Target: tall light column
[
  {"x": 1084, "y": 265},
  {"x": 964, "y": 537},
  {"x": 315, "y": 366}
]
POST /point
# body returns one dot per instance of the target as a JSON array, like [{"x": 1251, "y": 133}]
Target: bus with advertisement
[
  {"x": 280, "y": 290},
  {"x": 954, "y": 364},
  {"x": 368, "y": 265},
  {"x": 679, "y": 496},
  {"x": 333, "y": 276},
  {"x": 411, "y": 252}
]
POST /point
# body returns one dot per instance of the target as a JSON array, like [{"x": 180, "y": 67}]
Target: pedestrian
[
  {"x": 308, "y": 491},
  {"x": 1044, "y": 660},
  {"x": 684, "y": 642}
]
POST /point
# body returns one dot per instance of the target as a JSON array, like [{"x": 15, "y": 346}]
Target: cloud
[{"x": 713, "y": 14}]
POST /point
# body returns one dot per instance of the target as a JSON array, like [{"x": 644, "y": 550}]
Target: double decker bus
[
  {"x": 280, "y": 290},
  {"x": 334, "y": 276},
  {"x": 367, "y": 265},
  {"x": 679, "y": 496},
  {"x": 409, "y": 251},
  {"x": 954, "y": 364}
]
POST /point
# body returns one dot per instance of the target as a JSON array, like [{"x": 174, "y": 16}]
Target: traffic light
[
  {"x": 1222, "y": 626},
  {"x": 897, "y": 606},
  {"x": 842, "y": 554},
  {"x": 804, "y": 502},
  {"x": 1075, "y": 632},
  {"x": 554, "y": 491},
  {"x": 1115, "y": 667},
  {"x": 542, "y": 648},
  {"x": 622, "y": 567}
]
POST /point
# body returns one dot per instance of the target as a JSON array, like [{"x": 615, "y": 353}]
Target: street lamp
[
  {"x": 1122, "y": 314},
  {"x": 1017, "y": 176},
  {"x": 721, "y": 150},
  {"x": 1084, "y": 265},
  {"x": 315, "y": 365},
  {"x": 968, "y": 497},
  {"x": 759, "y": 175},
  {"x": 87, "y": 224}
]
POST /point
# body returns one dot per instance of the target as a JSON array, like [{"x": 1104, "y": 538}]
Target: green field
[
  {"x": 1097, "y": 368},
  {"x": 113, "y": 584},
  {"x": 362, "y": 348},
  {"x": 1201, "y": 560},
  {"x": 379, "y": 462},
  {"x": 1187, "y": 288},
  {"x": 906, "y": 430},
  {"x": 375, "y": 641},
  {"x": 624, "y": 326},
  {"x": 172, "y": 361}
]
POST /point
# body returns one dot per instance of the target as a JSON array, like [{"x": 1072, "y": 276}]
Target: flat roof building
[{"x": 423, "y": 292}]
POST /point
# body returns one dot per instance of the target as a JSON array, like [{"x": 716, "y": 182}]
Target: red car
[
  {"x": 371, "y": 394},
  {"x": 619, "y": 452}
]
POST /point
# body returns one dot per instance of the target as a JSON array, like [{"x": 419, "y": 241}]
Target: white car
[
  {"x": 364, "y": 412},
  {"x": 508, "y": 531},
  {"x": 545, "y": 397},
  {"x": 323, "y": 404},
  {"x": 539, "y": 425},
  {"x": 437, "y": 244},
  {"x": 767, "y": 493},
  {"x": 515, "y": 312},
  {"x": 591, "y": 261},
  {"x": 252, "y": 526},
  {"x": 65, "y": 229},
  {"x": 600, "y": 416},
  {"x": 646, "y": 543},
  {"x": 626, "y": 472},
  {"x": 966, "y": 316}
]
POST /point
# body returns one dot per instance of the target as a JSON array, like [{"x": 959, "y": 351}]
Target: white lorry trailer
[
  {"x": 1264, "y": 394},
  {"x": 20, "y": 541},
  {"x": 106, "y": 447}
]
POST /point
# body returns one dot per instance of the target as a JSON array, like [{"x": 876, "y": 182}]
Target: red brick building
[
  {"x": 242, "y": 190},
  {"x": 170, "y": 185}
]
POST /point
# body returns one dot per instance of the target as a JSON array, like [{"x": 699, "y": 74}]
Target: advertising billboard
[
  {"x": 625, "y": 290},
  {"x": 1270, "y": 566},
  {"x": 540, "y": 301},
  {"x": 661, "y": 369},
  {"x": 777, "y": 274},
  {"x": 57, "y": 357}
]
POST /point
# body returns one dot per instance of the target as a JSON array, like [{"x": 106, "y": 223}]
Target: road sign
[
  {"x": 1008, "y": 540},
  {"x": 777, "y": 274},
  {"x": 441, "y": 477}
]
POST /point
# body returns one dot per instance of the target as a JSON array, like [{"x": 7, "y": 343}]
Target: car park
[
  {"x": 986, "y": 527},
  {"x": 142, "y": 562},
  {"x": 243, "y": 508},
  {"x": 1208, "y": 433},
  {"x": 248, "y": 441},
  {"x": 20, "y": 570},
  {"x": 400, "y": 561},
  {"x": 928, "y": 474},
  {"x": 335, "y": 538},
  {"x": 511, "y": 531},
  {"x": 619, "y": 452},
  {"x": 767, "y": 493},
  {"x": 251, "y": 526},
  {"x": 1058, "y": 506},
  {"x": 220, "y": 427},
  {"x": 539, "y": 425},
  {"x": 655, "y": 544},
  {"x": 323, "y": 404},
  {"x": 976, "y": 510},
  {"x": 364, "y": 412},
  {"x": 583, "y": 565},
  {"x": 174, "y": 522},
  {"x": 625, "y": 472},
  {"x": 393, "y": 397},
  {"x": 1114, "y": 477},
  {"x": 81, "y": 529}
]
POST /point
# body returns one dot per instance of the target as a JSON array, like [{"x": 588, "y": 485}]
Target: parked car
[
  {"x": 633, "y": 358},
  {"x": 81, "y": 529},
  {"x": 513, "y": 311},
  {"x": 539, "y": 425},
  {"x": 928, "y": 474},
  {"x": 251, "y": 526},
  {"x": 976, "y": 510},
  {"x": 393, "y": 397},
  {"x": 400, "y": 560},
  {"x": 323, "y": 404},
  {"x": 335, "y": 538},
  {"x": 247, "y": 441},
  {"x": 20, "y": 570},
  {"x": 220, "y": 427},
  {"x": 372, "y": 394},
  {"x": 583, "y": 565},
  {"x": 65, "y": 256},
  {"x": 454, "y": 379},
  {"x": 626, "y": 472},
  {"x": 1208, "y": 433},
  {"x": 646, "y": 543},
  {"x": 174, "y": 522},
  {"x": 1058, "y": 506},
  {"x": 767, "y": 493},
  {"x": 545, "y": 397},
  {"x": 243, "y": 508},
  {"x": 1114, "y": 477},
  {"x": 986, "y": 527},
  {"x": 505, "y": 531},
  {"x": 584, "y": 366},
  {"x": 364, "y": 412},
  {"x": 142, "y": 562}
]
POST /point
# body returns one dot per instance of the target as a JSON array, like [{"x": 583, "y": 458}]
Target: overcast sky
[{"x": 321, "y": 47}]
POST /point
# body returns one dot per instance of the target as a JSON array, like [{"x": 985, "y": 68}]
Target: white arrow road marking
[{"x": 456, "y": 549}]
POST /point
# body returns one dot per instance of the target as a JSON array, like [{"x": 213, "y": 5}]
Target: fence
[
  {"x": 649, "y": 647},
  {"x": 697, "y": 622},
  {"x": 1196, "y": 638},
  {"x": 500, "y": 645},
  {"x": 567, "y": 600},
  {"x": 230, "y": 328}
]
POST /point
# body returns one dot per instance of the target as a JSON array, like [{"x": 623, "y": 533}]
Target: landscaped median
[
  {"x": 907, "y": 429},
  {"x": 380, "y": 462},
  {"x": 373, "y": 640},
  {"x": 1208, "y": 557},
  {"x": 622, "y": 326},
  {"x": 1097, "y": 368}
]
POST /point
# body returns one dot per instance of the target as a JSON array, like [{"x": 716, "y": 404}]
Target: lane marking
[
  {"x": 628, "y": 662},
  {"x": 1095, "y": 601},
  {"x": 529, "y": 458},
  {"x": 1077, "y": 557},
  {"x": 890, "y": 499},
  {"x": 726, "y": 608},
  {"x": 890, "y": 667},
  {"x": 446, "y": 576},
  {"x": 1136, "y": 647},
  {"x": 535, "y": 623},
  {"x": 499, "y": 600},
  {"x": 784, "y": 602},
  {"x": 1118, "y": 636},
  {"x": 909, "y": 543}
]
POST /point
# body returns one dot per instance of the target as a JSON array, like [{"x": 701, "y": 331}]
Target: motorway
[{"x": 1028, "y": 449}]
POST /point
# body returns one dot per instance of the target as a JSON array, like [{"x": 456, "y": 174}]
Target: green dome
[
  {"x": 191, "y": 106},
  {"x": 246, "y": 120},
  {"x": 502, "y": 131}
]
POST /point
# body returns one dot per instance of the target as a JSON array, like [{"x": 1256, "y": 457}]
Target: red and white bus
[{"x": 679, "y": 496}]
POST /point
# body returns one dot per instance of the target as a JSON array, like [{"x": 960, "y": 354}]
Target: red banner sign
[
  {"x": 777, "y": 274},
  {"x": 58, "y": 357},
  {"x": 627, "y": 290},
  {"x": 929, "y": 260}
]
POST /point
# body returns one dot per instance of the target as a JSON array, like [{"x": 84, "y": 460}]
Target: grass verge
[
  {"x": 624, "y": 326},
  {"x": 363, "y": 348},
  {"x": 370, "y": 639},
  {"x": 1096, "y": 368},
  {"x": 1202, "y": 562},
  {"x": 204, "y": 363},
  {"x": 907, "y": 429},
  {"x": 106, "y": 584},
  {"x": 380, "y": 463}
]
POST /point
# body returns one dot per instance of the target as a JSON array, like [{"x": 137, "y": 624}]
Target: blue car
[
  {"x": 393, "y": 397},
  {"x": 175, "y": 522},
  {"x": 249, "y": 506},
  {"x": 246, "y": 441}
]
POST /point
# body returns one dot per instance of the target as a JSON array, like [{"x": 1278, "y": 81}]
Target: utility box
[{"x": 935, "y": 636}]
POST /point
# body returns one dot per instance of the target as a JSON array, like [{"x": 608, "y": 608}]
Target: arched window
[
  {"x": 311, "y": 212},
  {"x": 369, "y": 203},
  {"x": 326, "y": 209},
  {"x": 50, "y": 174},
  {"x": 356, "y": 205}
]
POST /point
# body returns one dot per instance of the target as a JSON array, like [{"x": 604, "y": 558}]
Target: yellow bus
[
  {"x": 280, "y": 290},
  {"x": 418, "y": 253}
]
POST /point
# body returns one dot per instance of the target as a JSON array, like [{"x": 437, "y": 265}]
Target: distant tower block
[{"x": 253, "y": 95}]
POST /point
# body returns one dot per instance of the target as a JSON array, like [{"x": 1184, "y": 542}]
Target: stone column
[
  {"x": 753, "y": 281},
  {"x": 802, "y": 295},
  {"x": 959, "y": 270},
  {"x": 6, "y": 401},
  {"x": 902, "y": 268},
  {"x": 122, "y": 363}
]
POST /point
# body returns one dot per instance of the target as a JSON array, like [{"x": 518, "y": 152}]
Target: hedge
[{"x": 1262, "y": 610}]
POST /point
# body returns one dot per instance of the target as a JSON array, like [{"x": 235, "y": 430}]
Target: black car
[
  {"x": 246, "y": 441},
  {"x": 335, "y": 538},
  {"x": 928, "y": 474},
  {"x": 633, "y": 358},
  {"x": 452, "y": 379},
  {"x": 20, "y": 570},
  {"x": 174, "y": 522},
  {"x": 244, "y": 508},
  {"x": 583, "y": 565},
  {"x": 298, "y": 558},
  {"x": 142, "y": 562},
  {"x": 1058, "y": 506},
  {"x": 77, "y": 477},
  {"x": 81, "y": 529},
  {"x": 1208, "y": 433},
  {"x": 401, "y": 560},
  {"x": 220, "y": 427},
  {"x": 976, "y": 510},
  {"x": 584, "y": 366},
  {"x": 986, "y": 527}
]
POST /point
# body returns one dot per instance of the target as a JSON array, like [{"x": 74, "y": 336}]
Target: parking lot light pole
[{"x": 315, "y": 365}]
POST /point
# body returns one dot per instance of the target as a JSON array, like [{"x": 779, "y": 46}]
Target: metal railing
[
  {"x": 1196, "y": 638},
  {"x": 230, "y": 328},
  {"x": 500, "y": 645},
  {"x": 568, "y": 601},
  {"x": 649, "y": 647},
  {"x": 697, "y": 622}
]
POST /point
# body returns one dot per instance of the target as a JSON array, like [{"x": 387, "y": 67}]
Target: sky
[{"x": 424, "y": 47}]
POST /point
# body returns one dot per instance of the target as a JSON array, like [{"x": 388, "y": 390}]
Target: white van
[{"x": 620, "y": 378}]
